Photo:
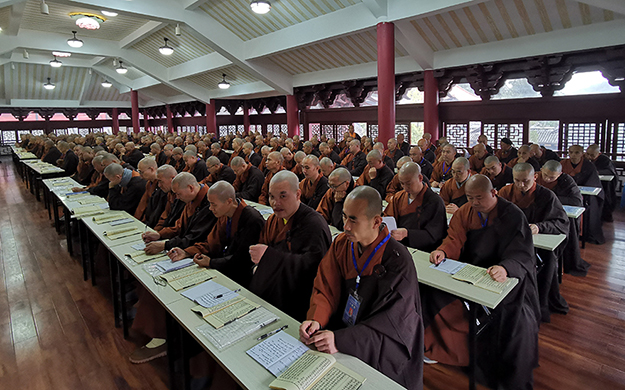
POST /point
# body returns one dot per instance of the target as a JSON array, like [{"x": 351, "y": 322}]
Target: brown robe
[
  {"x": 441, "y": 172},
  {"x": 332, "y": 211},
  {"x": 388, "y": 333},
  {"x": 313, "y": 192},
  {"x": 264, "y": 191},
  {"x": 451, "y": 193}
]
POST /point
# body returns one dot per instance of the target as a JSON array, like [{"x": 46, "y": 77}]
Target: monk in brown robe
[
  {"x": 289, "y": 161},
  {"x": 226, "y": 248},
  {"x": 218, "y": 171},
  {"x": 545, "y": 214},
  {"x": 165, "y": 174},
  {"x": 499, "y": 174},
  {"x": 176, "y": 159},
  {"x": 85, "y": 167},
  {"x": 395, "y": 186},
  {"x": 292, "y": 243},
  {"x": 605, "y": 166},
  {"x": 340, "y": 183},
  {"x": 441, "y": 171},
  {"x": 195, "y": 165},
  {"x": 249, "y": 181},
  {"x": 507, "y": 151},
  {"x": 393, "y": 151},
  {"x": 419, "y": 212},
  {"x": 386, "y": 331},
  {"x": 376, "y": 174},
  {"x": 356, "y": 160},
  {"x": 565, "y": 188},
  {"x": 126, "y": 188},
  {"x": 493, "y": 233},
  {"x": 416, "y": 155},
  {"x": 315, "y": 185},
  {"x": 524, "y": 155},
  {"x": 452, "y": 192},
  {"x": 274, "y": 165},
  {"x": 477, "y": 159},
  {"x": 153, "y": 201},
  {"x": 585, "y": 174}
]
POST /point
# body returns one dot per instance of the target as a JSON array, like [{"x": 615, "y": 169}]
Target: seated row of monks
[{"x": 291, "y": 255}]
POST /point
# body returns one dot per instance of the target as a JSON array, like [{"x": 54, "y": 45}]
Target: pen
[
  {"x": 441, "y": 262},
  {"x": 234, "y": 319},
  {"x": 229, "y": 292},
  {"x": 272, "y": 332}
]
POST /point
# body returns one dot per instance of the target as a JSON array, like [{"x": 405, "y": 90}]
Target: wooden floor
[{"x": 56, "y": 331}]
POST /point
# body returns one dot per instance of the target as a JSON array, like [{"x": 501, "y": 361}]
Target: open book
[
  {"x": 226, "y": 312},
  {"x": 141, "y": 257},
  {"x": 478, "y": 277},
  {"x": 120, "y": 233},
  {"x": 317, "y": 371},
  {"x": 108, "y": 218},
  {"x": 187, "y": 277}
]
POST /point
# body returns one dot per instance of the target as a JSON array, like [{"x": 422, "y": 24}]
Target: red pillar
[
  {"x": 430, "y": 104},
  {"x": 146, "y": 123},
  {"x": 386, "y": 81},
  {"x": 134, "y": 100},
  {"x": 292, "y": 116},
  {"x": 115, "y": 118},
  {"x": 211, "y": 118},
  {"x": 170, "y": 119},
  {"x": 246, "y": 119}
]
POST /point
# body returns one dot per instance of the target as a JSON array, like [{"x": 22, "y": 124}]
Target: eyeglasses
[{"x": 337, "y": 186}]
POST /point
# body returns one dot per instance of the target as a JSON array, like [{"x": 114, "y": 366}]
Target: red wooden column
[
  {"x": 292, "y": 116},
  {"x": 134, "y": 100},
  {"x": 430, "y": 104},
  {"x": 170, "y": 119},
  {"x": 146, "y": 123},
  {"x": 386, "y": 81},
  {"x": 115, "y": 118},
  {"x": 211, "y": 118},
  {"x": 246, "y": 119}
]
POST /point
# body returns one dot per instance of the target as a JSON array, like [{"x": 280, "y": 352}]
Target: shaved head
[
  {"x": 402, "y": 161},
  {"x": 479, "y": 183},
  {"x": 341, "y": 174},
  {"x": 236, "y": 162},
  {"x": 212, "y": 161},
  {"x": 523, "y": 167},
  {"x": 370, "y": 196},
  {"x": 285, "y": 176},
  {"x": 491, "y": 160},
  {"x": 576, "y": 148},
  {"x": 185, "y": 179},
  {"x": 461, "y": 162},
  {"x": 410, "y": 169},
  {"x": 223, "y": 191},
  {"x": 147, "y": 163},
  {"x": 166, "y": 171},
  {"x": 552, "y": 166},
  {"x": 113, "y": 169}
]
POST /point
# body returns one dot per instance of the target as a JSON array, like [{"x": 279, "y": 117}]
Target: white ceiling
[{"x": 300, "y": 42}]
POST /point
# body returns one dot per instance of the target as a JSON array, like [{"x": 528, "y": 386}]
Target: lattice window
[
  {"x": 314, "y": 129},
  {"x": 340, "y": 130},
  {"x": 372, "y": 131},
  {"x": 223, "y": 131},
  {"x": 620, "y": 140},
  {"x": 301, "y": 129},
  {"x": 457, "y": 134},
  {"x": 284, "y": 128},
  {"x": 514, "y": 131},
  {"x": 488, "y": 129},
  {"x": 107, "y": 130},
  {"x": 327, "y": 130},
  {"x": 584, "y": 134},
  {"x": 232, "y": 129},
  {"x": 60, "y": 131},
  {"x": 403, "y": 129},
  {"x": 37, "y": 132},
  {"x": 73, "y": 130},
  {"x": 475, "y": 130},
  {"x": 83, "y": 132},
  {"x": 8, "y": 137},
  {"x": 20, "y": 133}
]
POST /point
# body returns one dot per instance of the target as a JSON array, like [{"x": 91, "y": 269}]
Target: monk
[
  {"x": 416, "y": 155},
  {"x": 298, "y": 169},
  {"x": 126, "y": 188},
  {"x": 442, "y": 169},
  {"x": 565, "y": 188},
  {"x": 385, "y": 158},
  {"x": 395, "y": 186},
  {"x": 194, "y": 223},
  {"x": 218, "y": 152},
  {"x": 402, "y": 145},
  {"x": 315, "y": 185},
  {"x": 386, "y": 331},
  {"x": 274, "y": 165},
  {"x": 452, "y": 192},
  {"x": 292, "y": 243},
  {"x": 154, "y": 200},
  {"x": 499, "y": 174},
  {"x": 376, "y": 174},
  {"x": 418, "y": 211},
  {"x": 493, "y": 233},
  {"x": 85, "y": 167},
  {"x": 393, "y": 151},
  {"x": 165, "y": 174},
  {"x": 249, "y": 181},
  {"x": 545, "y": 214},
  {"x": 226, "y": 248},
  {"x": 524, "y": 156},
  {"x": 328, "y": 152},
  {"x": 427, "y": 153},
  {"x": 356, "y": 160},
  {"x": 585, "y": 174},
  {"x": 68, "y": 160},
  {"x": 340, "y": 183},
  {"x": 176, "y": 159},
  {"x": 542, "y": 154},
  {"x": 605, "y": 166},
  {"x": 507, "y": 151},
  {"x": 132, "y": 155},
  {"x": 250, "y": 155},
  {"x": 218, "y": 171},
  {"x": 237, "y": 147},
  {"x": 477, "y": 159},
  {"x": 195, "y": 165}
]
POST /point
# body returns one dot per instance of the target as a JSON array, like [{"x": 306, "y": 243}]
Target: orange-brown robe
[
  {"x": 312, "y": 192},
  {"x": 451, "y": 193},
  {"x": 388, "y": 332},
  {"x": 264, "y": 191},
  {"x": 249, "y": 183},
  {"x": 331, "y": 210}
]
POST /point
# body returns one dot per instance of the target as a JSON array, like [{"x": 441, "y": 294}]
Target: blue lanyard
[
  {"x": 421, "y": 162},
  {"x": 445, "y": 171},
  {"x": 228, "y": 228},
  {"x": 483, "y": 221},
  {"x": 368, "y": 260}
]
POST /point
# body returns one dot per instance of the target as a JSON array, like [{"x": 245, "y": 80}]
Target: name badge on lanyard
[{"x": 350, "y": 314}]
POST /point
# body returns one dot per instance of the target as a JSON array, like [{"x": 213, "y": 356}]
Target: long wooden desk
[
  {"x": 586, "y": 193},
  {"x": 36, "y": 171}
]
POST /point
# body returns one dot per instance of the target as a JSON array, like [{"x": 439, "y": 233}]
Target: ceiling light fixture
[
  {"x": 75, "y": 42},
  {"x": 177, "y": 30},
  {"x": 61, "y": 54},
  {"x": 109, "y": 13},
  {"x": 166, "y": 50},
  {"x": 44, "y": 8},
  {"x": 107, "y": 84},
  {"x": 86, "y": 20},
  {"x": 120, "y": 69},
  {"x": 260, "y": 6},
  {"x": 56, "y": 63},
  {"x": 25, "y": 55},
  {"x": 223, "y": 84},
  {"x": 49, "y": 86}
]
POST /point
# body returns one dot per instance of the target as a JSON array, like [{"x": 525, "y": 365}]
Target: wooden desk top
[{"x": 548, "y": 241}]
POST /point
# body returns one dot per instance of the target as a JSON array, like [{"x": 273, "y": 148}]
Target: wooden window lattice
[
  {"x": 8, "y": 137},
  {"x": 457, "y": 134},
  {"x": 403, "y": 129},
  {"x": 584, "y": 134},
  {"x": 314, "y": 129},
  {"x": 372, "y": 131}
]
